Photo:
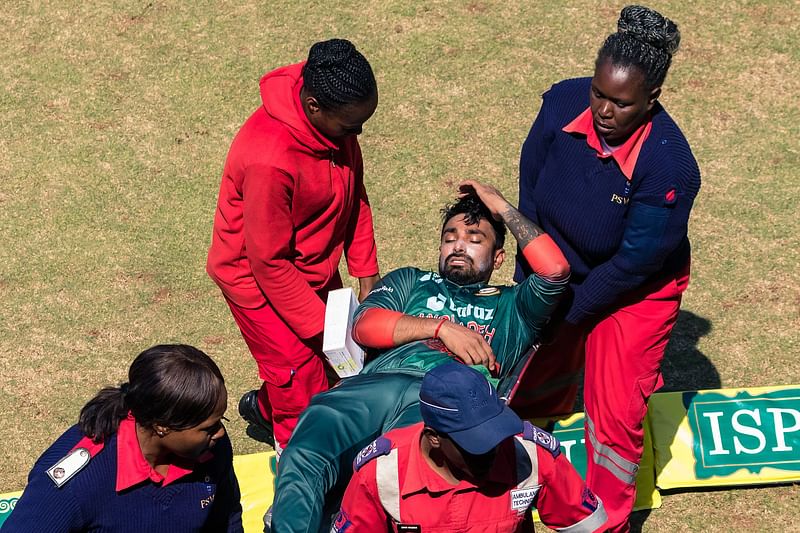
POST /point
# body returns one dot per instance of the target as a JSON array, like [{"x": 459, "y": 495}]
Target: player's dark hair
[
  {"x": 337, "y": 75},
  {"x": 172, "y": 385},
  {"x": 474, "y": 210},
  {"x": 644, "y": 39}
]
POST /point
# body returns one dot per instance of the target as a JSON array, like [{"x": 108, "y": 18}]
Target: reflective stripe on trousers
[{"x": 604, "y": 456}]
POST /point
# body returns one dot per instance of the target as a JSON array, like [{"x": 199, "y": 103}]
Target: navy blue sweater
[
  {"x": 616, "y": 235},
  {"x": 206, "y": 500}
]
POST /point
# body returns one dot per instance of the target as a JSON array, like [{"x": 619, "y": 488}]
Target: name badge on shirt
[
  {"x": 523, "y": 498},
  {"x": 68, "y": 466},
  {"x": 409, "y": 528}
]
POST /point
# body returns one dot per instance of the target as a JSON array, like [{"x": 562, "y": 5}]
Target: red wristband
[{"x": 436, "y": 331}]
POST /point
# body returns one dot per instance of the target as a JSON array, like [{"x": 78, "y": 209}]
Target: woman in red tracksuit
[{"x": 292, "y": 200}]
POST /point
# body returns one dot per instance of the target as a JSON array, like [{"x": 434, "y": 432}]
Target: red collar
[
  {"x": 133, "y": 468},
  {"x": 625, "y": 155}
]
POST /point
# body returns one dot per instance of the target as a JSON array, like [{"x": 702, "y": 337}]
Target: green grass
[{"x": 116, "y": 117}]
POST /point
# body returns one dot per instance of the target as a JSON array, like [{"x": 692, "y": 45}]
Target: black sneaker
[{"x": 259, "y": 428}]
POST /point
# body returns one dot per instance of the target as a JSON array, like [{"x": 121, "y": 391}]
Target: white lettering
[
  {"x": 567, "y": 445},
  {"x": 747, "y": 430},
  {"x": 781, "y": 430},
  {"x": 715, "y": 433}
]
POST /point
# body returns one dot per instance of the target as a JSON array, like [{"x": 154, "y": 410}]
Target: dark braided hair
[
  {"x": 337, "y": 75},
  {"x": 474, "y": 210},
  {"x": 644, "y": 39},
  {"x": 174, "y": 385}
]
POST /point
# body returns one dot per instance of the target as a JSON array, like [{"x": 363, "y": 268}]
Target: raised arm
[{"x": 542, "y": 254}]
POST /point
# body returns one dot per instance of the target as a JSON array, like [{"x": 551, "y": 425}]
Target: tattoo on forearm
[{"x": 523, "y": 229}]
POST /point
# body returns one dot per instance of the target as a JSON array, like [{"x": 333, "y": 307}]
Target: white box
[{"x": 345, "y": 356}]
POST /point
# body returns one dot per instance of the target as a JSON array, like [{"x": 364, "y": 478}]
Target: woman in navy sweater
[
  {"x": 608, "y": 174},
  {"x": 150, "y": 455}
]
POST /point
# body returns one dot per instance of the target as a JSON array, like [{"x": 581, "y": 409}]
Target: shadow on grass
[{"x": 684, "y": 366}]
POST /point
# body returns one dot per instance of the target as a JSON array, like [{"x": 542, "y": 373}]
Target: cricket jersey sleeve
[
  {"x": 564, "y": 502},
  {"x": 361, "y": 509},
  {"x": 390, "y": 293},
  {"x": 536, "y": 299}
]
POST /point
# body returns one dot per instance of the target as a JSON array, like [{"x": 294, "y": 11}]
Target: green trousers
[{"x": 317, "y": 464}]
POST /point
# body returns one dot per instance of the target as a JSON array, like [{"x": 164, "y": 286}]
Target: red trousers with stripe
[
  {"x": 292, "y": 369},
  {"x": 622, "y": 354}
]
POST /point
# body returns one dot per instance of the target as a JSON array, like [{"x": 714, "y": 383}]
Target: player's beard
[{"x": 466, "y": 274}]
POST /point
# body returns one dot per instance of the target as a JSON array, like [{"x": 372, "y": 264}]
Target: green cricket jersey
[
  {"x": 510, "y": 318},
  {"x": 339, "y": 422}
]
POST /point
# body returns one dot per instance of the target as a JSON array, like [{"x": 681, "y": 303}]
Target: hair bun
[{"x": 650, "y": 27}]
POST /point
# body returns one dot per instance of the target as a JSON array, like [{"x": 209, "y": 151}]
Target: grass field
[{"x": 116, "y": 118}]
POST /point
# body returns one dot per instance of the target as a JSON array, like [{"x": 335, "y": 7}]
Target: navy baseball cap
[{"x": 458, "y": 401}]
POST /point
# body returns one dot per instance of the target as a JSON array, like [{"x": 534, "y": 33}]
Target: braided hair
[
  {"x": 644, "y": 39},
  {"x": 337, "y": 74}
]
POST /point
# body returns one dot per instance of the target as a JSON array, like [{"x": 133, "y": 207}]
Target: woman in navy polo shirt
[
  {"x": 608, "y": 174},
  {"x": 151, "y": 455}
]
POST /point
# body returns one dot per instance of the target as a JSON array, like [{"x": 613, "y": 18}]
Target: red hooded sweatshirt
[{"x": 291, "y": 201}]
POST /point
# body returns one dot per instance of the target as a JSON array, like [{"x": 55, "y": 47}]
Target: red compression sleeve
[
  {"x": 375, "y": 328},
  {"x": 545, "y": 258}
]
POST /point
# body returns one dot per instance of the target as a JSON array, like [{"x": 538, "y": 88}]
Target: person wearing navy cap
[{"x": 471, "y": 465}]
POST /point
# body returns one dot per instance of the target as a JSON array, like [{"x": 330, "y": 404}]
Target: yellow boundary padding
[
  {"x": 726, "y": 437},
  {"x": 692, "y": 439}
]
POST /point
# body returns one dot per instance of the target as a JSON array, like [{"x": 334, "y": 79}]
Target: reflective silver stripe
[
  {"x": 591, "y": 523},
  {"x": 608, "y": 464},
  {"x": 533, "y": 479},
  {"x": 388, "y": 482},
  {"x": 604, "y": 456}
]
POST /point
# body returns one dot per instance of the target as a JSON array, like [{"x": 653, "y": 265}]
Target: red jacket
[
  {"x": 393, "y": 484},
  {"x": 291, "y": 201}
]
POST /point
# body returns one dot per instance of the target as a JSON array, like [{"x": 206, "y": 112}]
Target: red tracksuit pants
[
  {"x": 622, "y": 354},
  {"x": 292, "y": 369}
]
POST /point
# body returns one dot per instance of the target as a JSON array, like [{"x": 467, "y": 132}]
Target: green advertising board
[
  {"x": 726, "y": 437},
  {"x": 569, "y": 432}
]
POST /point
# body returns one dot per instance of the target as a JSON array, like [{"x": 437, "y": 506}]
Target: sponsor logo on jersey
[
  {"x": 439, "y": 302},
  {"x": 487, "y": 291},
  {"x": 382, "y": 288},
  {"x": 521, "y": 499},
  {"x": 436, "y": 303},
  {"x": 431, "y": 276}
]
